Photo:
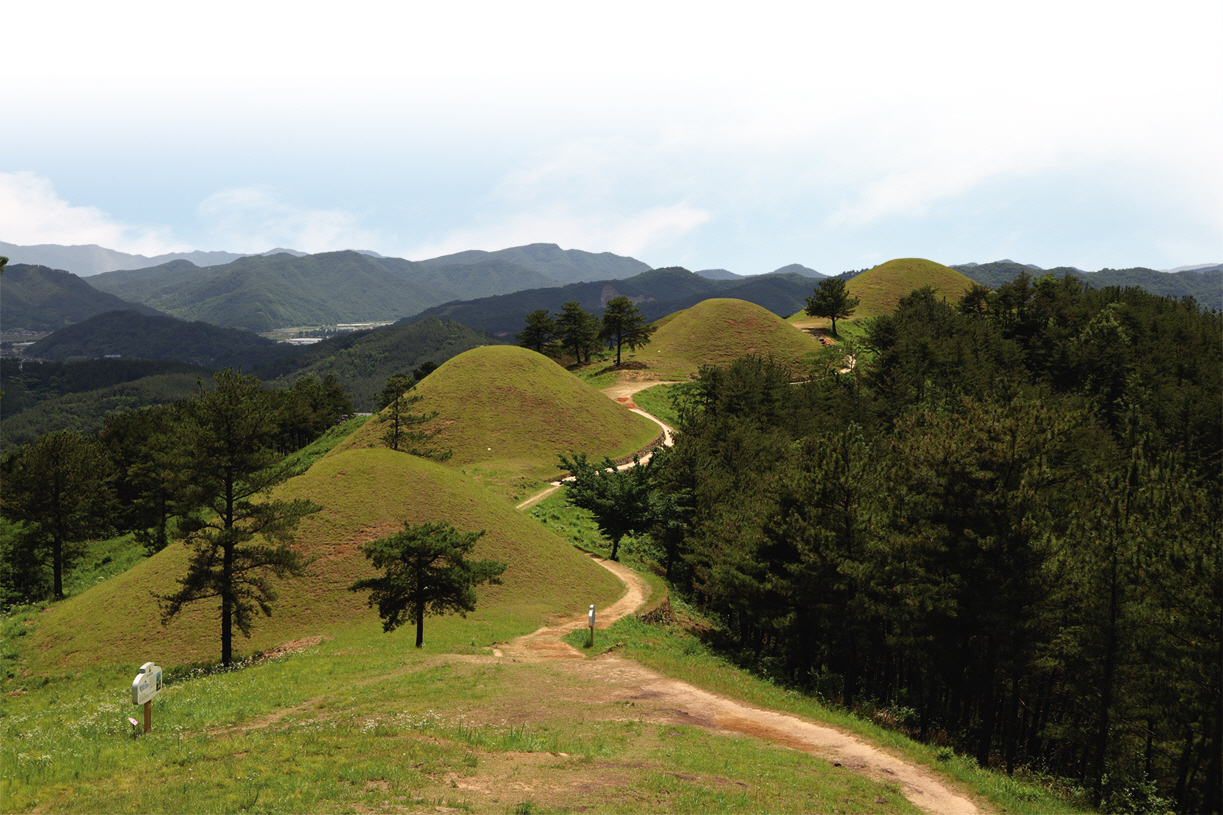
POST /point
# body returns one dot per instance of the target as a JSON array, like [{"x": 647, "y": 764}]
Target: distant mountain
[
  {"x": 93, "y": 259},
  {"x": 719, "y": 274},
  {"x": 797, "y": 268},
  {"x": 657, "y": 292},
  {"x": 40, "y": 299},
  {"x": 561, "y": 265},
  {"x": 1201, "y": 267},
  {"x": 262, "y": 293},
  {"x": 131, "y": 335},
  {"x": 1204, "y": 284}
]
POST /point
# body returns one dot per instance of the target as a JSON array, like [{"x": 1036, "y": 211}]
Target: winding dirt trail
[
  {"x": 620, "y": 681},
  {"x": 616, "y": 682}
]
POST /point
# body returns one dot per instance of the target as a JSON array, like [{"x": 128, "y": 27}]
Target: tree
[
  {"x": 405, "y": 429},
  {"x": 618, "y": 499},
  {"x": 60, "y": 487},
  {"x": 831, "y": 300},
  {"x": 577, "y": 330},
  {"x": 426, "y": 572},
  {"x": 623, "y": 324},
  {"x": 539, "y": 331},
  {"x": 229, "y": 432}
]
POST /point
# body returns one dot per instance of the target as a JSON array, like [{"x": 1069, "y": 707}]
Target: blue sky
[{"x": 695, "y": 134}]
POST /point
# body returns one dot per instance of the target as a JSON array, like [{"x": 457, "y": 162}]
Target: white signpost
[
  {"x": 145, "y": 687},
  {"x": 592, "y": 626}
]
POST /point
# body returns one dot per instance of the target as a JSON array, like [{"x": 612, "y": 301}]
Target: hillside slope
[
  {"x": 37, "y": 298},
  {"x": 719, "y": 331},
  {"x": 263, "y": 293},
  {"x": 509, "y": 412},
  {"x": 367, "y": 494},
  {"x": 132, "y": 335}
]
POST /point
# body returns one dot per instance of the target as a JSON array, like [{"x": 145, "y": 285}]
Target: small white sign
[
  {"x": 592, "y": 616},
  {"x": 147, "y": 684}
]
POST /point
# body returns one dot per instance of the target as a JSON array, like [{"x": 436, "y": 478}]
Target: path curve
[{"x": 664, "y": 699}]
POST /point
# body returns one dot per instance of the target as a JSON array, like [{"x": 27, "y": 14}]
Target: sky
[{"x": 704, "y": 135}]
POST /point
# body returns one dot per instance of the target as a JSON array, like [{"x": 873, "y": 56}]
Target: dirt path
[
  {"x": 621, "y": 392},
  {"x": 657, "y": 698}
]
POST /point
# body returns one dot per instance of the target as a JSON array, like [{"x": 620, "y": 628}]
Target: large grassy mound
[
  {"x": 509, "y": 412},
  {"x": 881, "y": 288},
  {"x": 366, "y": 494},
  {"x": 719, "y": 331}
]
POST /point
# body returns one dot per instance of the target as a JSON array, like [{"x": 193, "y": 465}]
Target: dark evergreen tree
[
  {"x": 60, "y": 487},
  {"x": 832, "y": 300},
  {"x": 426, "y": 572},
  {"x": 577, "y": 330},
  {"x": 624, "y": 324},
  {"x": 539, "y": 332},
  {"x": 238, "y": 536}
]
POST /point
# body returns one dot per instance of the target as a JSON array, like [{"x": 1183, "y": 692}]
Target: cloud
[
  {"x": 634, "y": 234},
  {"x": 255, "y": 219},
  {"x": 31, "y": 213}
]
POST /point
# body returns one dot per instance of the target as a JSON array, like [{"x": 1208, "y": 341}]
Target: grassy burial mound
[
  {"x": 880, "y": 289},
  {"x": 719, "y": 331},
  {"x": 508, "y": 412},
  {"x": 366, "y": 494}
]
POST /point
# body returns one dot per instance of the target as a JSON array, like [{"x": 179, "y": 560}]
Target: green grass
[
  {"x": 678, "y": 653},
  {"x": 366, "y": 494},
  {"x": 360, "y": 722},
  {"x": 660, "y": 401},
  {"x": 507, "y": 413},
  {"x": 719, "y": 331}
]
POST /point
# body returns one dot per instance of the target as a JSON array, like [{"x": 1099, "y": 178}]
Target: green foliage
[
  {"x": 577, "y": 330},
  {"x": 539, "y": 331},
  {"x": 405, "y": 429},
  {"x": 623, "y": 324},
  {"x": 831, "y": 300},
  {"x": 231, "y": 466},
  {"x": 618, "y": 499},
  {"x": 427, "y": 572},
  {"x": 59, "y": 488},
  {"x": 993, "y": 524}
]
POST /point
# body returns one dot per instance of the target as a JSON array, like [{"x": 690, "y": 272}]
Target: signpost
[
  {"x": 145, "y": 687},
  {"x": 592, "y": 627}
]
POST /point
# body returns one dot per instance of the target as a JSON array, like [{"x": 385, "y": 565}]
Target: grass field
[
  {"x": 507, "y": 413},
  {"x": 717, "y": 332}
]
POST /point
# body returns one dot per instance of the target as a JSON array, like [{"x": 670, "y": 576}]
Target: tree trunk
[
  {"x": 420, "y": 623},
  {"x": 57, "y": 566},
  {"x": 227, "y": 606}
]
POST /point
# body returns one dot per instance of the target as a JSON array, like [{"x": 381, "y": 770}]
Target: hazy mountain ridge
[
  {"x": 548, "y": 259},
  {"x": 657, "y": 292},
  {"x": 1203, "y": 283}
]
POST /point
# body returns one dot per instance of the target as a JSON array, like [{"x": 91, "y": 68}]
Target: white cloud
[
  {"x": 31, "y": 213},
  {"x": 255, "y": 219},
  {"x": 634, "y": 234}
]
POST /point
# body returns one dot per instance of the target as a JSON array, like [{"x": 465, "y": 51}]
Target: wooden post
[{"x": 148, "y": 716}]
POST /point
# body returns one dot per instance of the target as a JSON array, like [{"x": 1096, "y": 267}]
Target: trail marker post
[
  {"x": 145, "y": 687},
  {"x": 592, "y": 627}
]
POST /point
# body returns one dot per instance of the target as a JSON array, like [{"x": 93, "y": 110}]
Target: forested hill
[
  {"x": 549, "y": 260},
  {"x": 658, "y": 292},
  {"x": 41, "y": 299},
  {"x": 263, "y": 293},
  {"x": 364, "y": 360},
  {"x": 1204, "y": 286},
  {"x": 131, "y": 335}
]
